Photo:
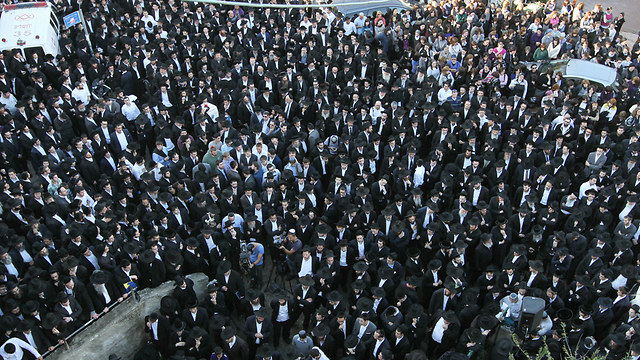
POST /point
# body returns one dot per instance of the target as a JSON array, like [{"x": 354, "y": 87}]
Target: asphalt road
[{"x": 631, "y": 11}]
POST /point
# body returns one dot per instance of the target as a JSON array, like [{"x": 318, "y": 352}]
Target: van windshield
[{"x": 556, "y": 66}]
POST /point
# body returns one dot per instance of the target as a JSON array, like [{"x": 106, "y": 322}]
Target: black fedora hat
[
  {"x": 413, "y": 281},
  {"x": 217, "y": 322},
  {"x": 262, "y": 312},
  {"x": 168, "y": 304},
  {"x": 415, "y": 310},
  {"x": 334, "y": 296},
  {"x": 70, "y": 262},
  {"x": 147, "y": 256},
  {"x": 131, "y": 247},
  {"x": 173, "y": 257},
  {"x": 446, "y": 216},
  {"x": 224, "y": 267},
  {"x": 30, "y": 307},
  {"x": 178, "y": 325},
  {"x": 307, "y": 280},
  {"x": 577, "y": 323},
  {"x": 265, "y": 351},
  {"x": 385, "y": 272},
  {"x": 475, "y": 335},
  {"x": 228, "y": 333},
  {"x": 197, "y": 332},
  {"x": 378, "y": 292},
  {"x": 252, "y": 294},
  {"x": 359, "y": 284},
  {"x": 8, "y": 322},
  {"x": 321, "y": 330},
  {"x": 33, "y": 273},
  {"x": 99, "y": 277},
  {"x": 629, "y": 271},
  {"x": 388, "y": 211},
  {"x": 450, "y": 316},
  {"x": 51, "y": 320},
  {"x": 485, "y": 322},
  {"x": 360, "y": 266},
  {"x": 351, "y": 341},
  {"x": 434, "y": 264},
  {"x": 364, "y": 304},
  {"x": 536, "y": 265},
  {"x": 25, "y": 325},
  {"x": 290, "y": 352},
  {"x": 504, "y": 346},
  {"x": 605, "y": 302}
]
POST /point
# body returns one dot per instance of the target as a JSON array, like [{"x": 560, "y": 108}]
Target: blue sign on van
[{"x": 72, "y": 19}]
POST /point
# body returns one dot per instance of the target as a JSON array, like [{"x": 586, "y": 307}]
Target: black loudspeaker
[{"x": 531, "y": 315}]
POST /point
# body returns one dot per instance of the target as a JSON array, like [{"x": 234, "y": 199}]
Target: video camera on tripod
[
  {"x": 279, "y": 239},
  {"x": 245, "y": 252}
]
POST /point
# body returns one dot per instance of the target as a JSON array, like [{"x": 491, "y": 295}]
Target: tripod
[{"x": 279, "y": 272}]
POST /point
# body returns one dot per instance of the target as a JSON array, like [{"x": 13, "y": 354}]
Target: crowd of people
[{"x": 405, "y": 175}]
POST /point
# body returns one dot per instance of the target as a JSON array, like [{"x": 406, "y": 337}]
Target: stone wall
[{"x": 121, "y": 330}]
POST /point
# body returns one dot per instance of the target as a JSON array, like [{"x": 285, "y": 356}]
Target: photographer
[
  {"x": 256, "y": 262},
  {"x": 291, "y": 246}
]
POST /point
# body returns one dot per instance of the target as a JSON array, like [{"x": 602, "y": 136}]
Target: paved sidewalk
[{"x": 631, "y": 9}]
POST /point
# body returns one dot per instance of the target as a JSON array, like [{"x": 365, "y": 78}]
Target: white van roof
[
  {"x": 591, "y": 71},
  {"x": 25, "y": 25}
]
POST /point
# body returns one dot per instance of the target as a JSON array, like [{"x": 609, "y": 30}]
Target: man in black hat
[
  {"x": 258, "y": 329},
  {"x": 126, "y": 273},
  {"x": 194, "y": 316},
  {"x": 443, "y": 299},
  {"x": 304, "y": 295},
  {"x": 159, "y": 330},
  {"x": 103, "y": 291},
  {"x": 444, "y": 335},
  {"x": 33, "y": 335},
  {"x": 70, "y": 310},
  {"x": 198, "y": 343},
  {"x": 231, "y": 285},
  {"x": 234, "y": 346},
  {"x": 283, "y": 315},
  {"x": 178, "y": 337},
  {"x": 591, "y": 264}
]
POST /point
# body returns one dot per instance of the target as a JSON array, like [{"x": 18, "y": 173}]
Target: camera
[
  {"x": 245, "y": 251},
  {"x": 279, "y": 239}
]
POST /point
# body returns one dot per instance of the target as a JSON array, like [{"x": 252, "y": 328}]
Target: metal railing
[{"x": 87, "y": 324}]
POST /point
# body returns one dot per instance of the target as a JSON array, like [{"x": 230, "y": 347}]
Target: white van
[{"x": 30, "y": 27}]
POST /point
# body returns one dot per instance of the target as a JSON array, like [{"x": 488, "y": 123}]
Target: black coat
[
  {"x": 153, "y": 274},
  {"x": 42, "y": 343},
  {"x": 437, "y": 300},
  {"x": 240, "y": 350},
  {"x": 164, "y": 332},
  {"x": 249, "y": 329},
  {"x": 99, "y": 302},
  {"x": 234, "y": 285},
  {"x": 201, "y": 320}
]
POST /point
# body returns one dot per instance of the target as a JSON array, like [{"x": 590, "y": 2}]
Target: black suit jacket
[
  {"x": 401, "y": 348},
  {"x": 201, "y": 320},
  {"x": 437, "y": 300},
  {"x": 250, "y": 330},
  {"x": 164, "y": 332},
  {"x": 234, "y": 285},
  {"x": 240, "y": 350},
  {"x": 99, "y": 302},
  {"x": 42, "y": 343},
  {"x": 116, "y": 147}
]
